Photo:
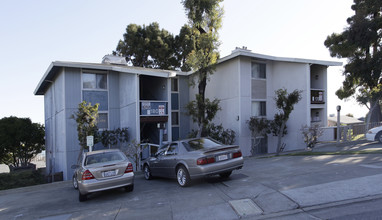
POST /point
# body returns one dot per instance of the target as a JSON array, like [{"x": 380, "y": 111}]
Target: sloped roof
[
  {"x": 55, "y": 66},
  {"x": 247, "y": 53}
]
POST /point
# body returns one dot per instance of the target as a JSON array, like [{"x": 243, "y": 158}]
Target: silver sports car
[
  {"x": 102, "y": 170},
  {"x": 193, "y": 158}
]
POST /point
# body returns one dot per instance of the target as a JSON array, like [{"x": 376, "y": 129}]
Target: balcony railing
[{"x": 317, "y": 96}]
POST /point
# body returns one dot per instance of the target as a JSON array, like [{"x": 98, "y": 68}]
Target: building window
[
  {"x": 94, "y": 81},
  {"x": 174, "y": 85},
  {"x": 258, "y": 70},
  {"x": 95, "y": 91},
  {"x": 102, "y": 122},
  {"x": 259, "y": 108},
  {"x": 174, "y": 101},
  {"x": 175, "y": 108},
  {"x": 174, "y": 118}
]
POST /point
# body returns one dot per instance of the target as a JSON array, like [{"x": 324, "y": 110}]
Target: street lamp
[{"x": 338, "y": 123}]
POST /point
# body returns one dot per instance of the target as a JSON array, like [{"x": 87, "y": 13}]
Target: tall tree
[
  {"x": 205, "y": 18},
  {"x": 148, "y": 46},
  {"x": 86, "y": 118},
  {"x": 360, "y": 43},
  {"x": 285, "y": 104},
  {"x": 184, "y": 43},
  {"x": 20, "y": 140}
]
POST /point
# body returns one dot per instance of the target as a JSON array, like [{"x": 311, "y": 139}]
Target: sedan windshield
[
  {"x": 200, "y": 144},
  {"x": 103, "y": 158}
]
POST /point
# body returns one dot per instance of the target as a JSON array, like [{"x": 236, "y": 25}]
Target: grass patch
[
  {"x": 358, "y": 137},
  {"x": 21, "y": 179},
  {"x": 310, "y": 153}
]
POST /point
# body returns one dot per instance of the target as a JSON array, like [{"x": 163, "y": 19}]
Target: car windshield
[
  {"x": 104, "y": 157},
  {"x": 161, "y": 150},
  {"x": 200, "y": 144}
]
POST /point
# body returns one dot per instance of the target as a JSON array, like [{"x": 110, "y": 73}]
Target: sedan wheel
[
  {"x": 75, "y": 182},
  {"x": 129, "y": 188},
  {"x": 225, "y": 175},
  {"x": 379, "y": 137},
  {"x": 82, "y": 197},
  {"x": 147, "y": 172},
  {"x": 182, "y": 176}
]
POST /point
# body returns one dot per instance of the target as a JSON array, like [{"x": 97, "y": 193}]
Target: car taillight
[
  {"x": 236, "y": 154},
  {"x": 87, "y": 175},
  {"x": 205, "y": 160},
  {"x": 129, "y": 168}
]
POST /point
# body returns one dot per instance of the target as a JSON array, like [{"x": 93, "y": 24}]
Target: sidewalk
[{"x": 347, "y": 146}]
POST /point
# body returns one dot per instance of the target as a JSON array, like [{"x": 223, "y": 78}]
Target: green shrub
[
  {"x": 217, "y": 132},
  {"x": 21, "y": 179}
]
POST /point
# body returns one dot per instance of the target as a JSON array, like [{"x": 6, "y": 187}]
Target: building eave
[
  {"x": 247, "y": 53},
  {"x": 53, "y": 68}
]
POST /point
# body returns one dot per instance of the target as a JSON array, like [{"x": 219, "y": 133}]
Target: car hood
[{"x": 375, "y": 130}]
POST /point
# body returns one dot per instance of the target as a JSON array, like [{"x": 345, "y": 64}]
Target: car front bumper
[
  {"x": 94, "y": 185},
  {"x": 370, "y": 136}
]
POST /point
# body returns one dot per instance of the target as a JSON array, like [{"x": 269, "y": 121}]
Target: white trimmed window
[
  {"x": 258, "y": 108},
  {"x": 258, "y": 70},
  {"x": 94, "y": 81},
  {"x": 95, "y": 90}
]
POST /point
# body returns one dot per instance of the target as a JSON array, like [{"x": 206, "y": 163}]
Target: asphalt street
[{"x": 284, "y": 187}]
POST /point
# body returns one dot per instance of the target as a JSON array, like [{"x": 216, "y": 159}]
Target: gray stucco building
[
  {"x": 141, "y": 99},
  {"x": 132, "y": 97}
]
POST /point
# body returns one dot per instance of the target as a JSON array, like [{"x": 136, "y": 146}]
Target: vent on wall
[{"x": 112, "y": 59}]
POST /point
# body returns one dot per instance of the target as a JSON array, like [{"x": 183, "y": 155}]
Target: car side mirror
[{"x": 75, "y": 166}]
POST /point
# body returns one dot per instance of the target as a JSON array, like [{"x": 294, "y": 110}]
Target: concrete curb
[
  {"x": 341, "y": 144},
  {"x": 314, "y": 208}
]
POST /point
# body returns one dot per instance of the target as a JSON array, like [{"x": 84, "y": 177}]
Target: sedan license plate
[
  {"x": 222, "y": 157},
  {"x": 108, "y": 173}
]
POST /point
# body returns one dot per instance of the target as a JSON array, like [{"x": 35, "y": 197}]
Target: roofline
[
  {"x": 51, "y": 72},
  {"x": 248, "y": 53}
]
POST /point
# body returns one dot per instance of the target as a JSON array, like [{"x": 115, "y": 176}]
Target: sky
[{"x": 36, "y": 33}]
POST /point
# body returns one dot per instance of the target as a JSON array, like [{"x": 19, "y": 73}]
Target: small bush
[
  {"x": 21, "y": 179},
  {"x": 217, "y": 132},
  {"x": 311, "y": 134}
]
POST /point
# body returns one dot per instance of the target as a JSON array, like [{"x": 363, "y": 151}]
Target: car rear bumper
[
  {"x": 216, "y": 168},
  {"x": 94, "y": 185}
]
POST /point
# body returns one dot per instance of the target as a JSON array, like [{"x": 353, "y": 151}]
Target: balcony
[
  {"x": 154, "y": 108},
  {"x": 154, "y": 111},
  {"x": 317, "y": 96}
]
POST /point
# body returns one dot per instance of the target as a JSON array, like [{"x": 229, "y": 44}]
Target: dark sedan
[{"x": 193, "y": 158}]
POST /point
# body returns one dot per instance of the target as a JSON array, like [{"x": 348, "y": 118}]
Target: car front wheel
[
  {"x": 378, "y": 137},
  {"x": 183, "y": 176}
]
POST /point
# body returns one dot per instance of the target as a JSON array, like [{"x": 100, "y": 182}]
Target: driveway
[{"x": 264, "y": 188}]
